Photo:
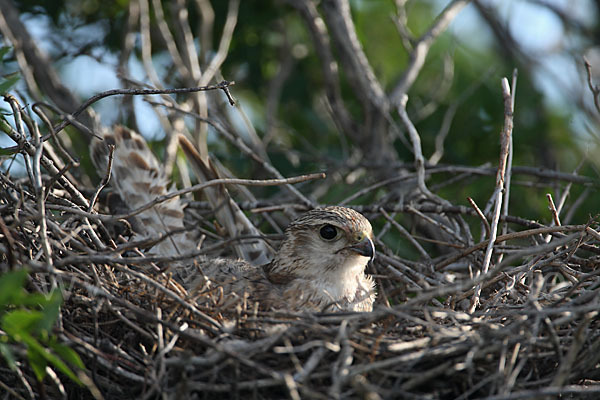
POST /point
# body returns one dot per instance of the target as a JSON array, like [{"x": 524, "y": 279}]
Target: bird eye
[{"x": 328, "y": 232}]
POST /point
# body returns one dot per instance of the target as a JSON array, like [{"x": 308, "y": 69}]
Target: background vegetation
[{"x": 319, "y": 86}]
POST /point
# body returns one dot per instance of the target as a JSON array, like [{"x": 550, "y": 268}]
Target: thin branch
[
  {"x": 484, "y": 220},
  {"x": 221, "y": 54},
  {"x": 166, "y": 35},
  {"x": 421, "y": 49},
  {"x": 406, "y": 234},
  {"x": 595, "y": 89},
  {"x": 416, "y": 142},
  {"x": 29, "y": 150},
  {"x": 146, "y": 43},
  {"x": 509, "y": 236},
  {"x": 236, "y": 141},
  {"x": 105, "y": 179},
  {"x": 546, "y": 175},
  {"x": 508, "y": 177},
  {"x": 137, "y": 92},
  {"x": 339, "y": 20},
  {"x": 329, "y": 66},
  {"x": 500, "y": 184},
  {"x": 41, "y": 203},
  {"x": 552, "y": 209},
  {"x": 200, "y": 186},
  {"x": 207, "y": 14}
]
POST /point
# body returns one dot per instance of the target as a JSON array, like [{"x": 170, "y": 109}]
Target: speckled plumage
[
  {"x": 139, "y": 179},
  {"x": 309, "y": 272}
]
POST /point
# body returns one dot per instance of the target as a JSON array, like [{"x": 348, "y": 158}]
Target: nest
[{"x": 456, "y": 321}]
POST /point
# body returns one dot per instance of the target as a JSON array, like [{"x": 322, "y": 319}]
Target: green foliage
[
  {"x": 7, "y": 81},
  {"x": 270, "y": 34},
  {"x": 26, "y": 319}
]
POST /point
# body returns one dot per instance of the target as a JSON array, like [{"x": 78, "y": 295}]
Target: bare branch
[
  {"x": 595, "y": 89},
  {"x": 505, "y": 139},
  {"x": 329, "y": 67},
  {"x": 484, "y": 220},
  {"x": 218, "y": 59},
  {"x": 137, "y": 92},
  {"x": 552, "y": 209},
  {"x": 416, "y": 142},
  {"x": 421, "y": 48},
  {"x": 352, "y": 55},
  {"x": 39, "y": 73},
  {"x": 195, "y": 188}
]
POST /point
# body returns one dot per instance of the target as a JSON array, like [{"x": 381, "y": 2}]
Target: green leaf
[
  {"x": 36, "y": 349},
  {"x": 4, "y": 51},
  {"x": 5, "y": 152},
  {"x": 9, "y": 82},
  {"x": 50, "y": 310},
  {"x": 31, "y": 324},
  {"x": 8, "y": 355},
  {"x": 36, "y": 359},
  {"x": 20, "y": 322},
  {"x": 34, "y": 300},
  {"x": 68, "y": 354},
  {"x": 11, "y": 286}
]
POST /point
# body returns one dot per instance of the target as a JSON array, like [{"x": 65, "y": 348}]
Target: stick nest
[{"x": 442, "y": 327}]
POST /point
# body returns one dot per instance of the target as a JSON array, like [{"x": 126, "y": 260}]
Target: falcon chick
[{"x": 319, "y": 267}]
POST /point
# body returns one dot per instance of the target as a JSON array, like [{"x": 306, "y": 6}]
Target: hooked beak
[{"x": 365, "y": 248}]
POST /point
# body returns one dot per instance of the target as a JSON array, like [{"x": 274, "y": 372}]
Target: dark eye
[{"x": 328, "y": 232}]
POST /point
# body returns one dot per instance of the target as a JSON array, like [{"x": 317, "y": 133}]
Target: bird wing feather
[{"x": 227, "y": 212}]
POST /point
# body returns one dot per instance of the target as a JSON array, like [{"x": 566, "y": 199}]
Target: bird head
[{"x": 327, "y": 243}]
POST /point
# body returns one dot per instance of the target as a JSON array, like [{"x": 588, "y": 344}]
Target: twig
[
  {"x": 230, "y": 98},
  {"x": 55, "y": 178},
  {"x": 449, "y": 116},
  {"x": 12, "y": 392},
  {"x": 500, "y": 184},
  {"x": 592, "y": 232},
  {"x": 41, "y": 203},
  {"x": 37, "y": 108},
  {"x": 541, "y": 392},
  {"x": 10, "y": 244},
  {"x": 372, "y": 187},
  {"x": 406, "y": 234},
  {"x": 140, "y": 92},
  {"x": 508, "y": 176},
  {"x": 105, "y": 179},
  {"x": 416, "y": 142},
  {"x": 353, "y": 57},
  {"x": 146, "y": 43},
  {"x": 197, "y": 187},
  {"x": 221, "y": 54},
  {"x": 245, "y": 149},
  {"x": 595, "y": 89},
  {"x": 340, "y": 369},
  {"x": 168, "y": 39},
  {"x": 421, "y": 48},
  {"x": 484, "y": 220},
  {"x": 329, "y": 65},
  {"x": 547, "y": 175},
  {"x": 29, "y": 150},
  {"x": 509, "y": 236},
  {"x": 552, "y": 209},
  {"x": 434, "y": 222}
]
